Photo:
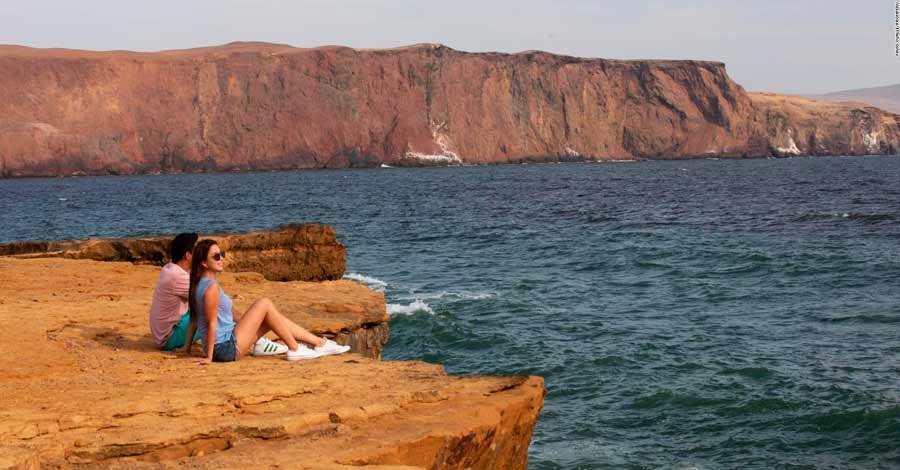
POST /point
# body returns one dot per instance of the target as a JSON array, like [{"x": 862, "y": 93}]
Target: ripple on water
[
  {"x": 883, "y": 421},
  {"x": 863, "y": 318},
  {"x": 765, "y": 405},
  {"x": 755, "y": 373},
  {"x": 866, "y": 218},
  {"x": 670, "y": 399}
]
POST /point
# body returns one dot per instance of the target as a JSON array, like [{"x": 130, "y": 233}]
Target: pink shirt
[{"x": 170, "y": 301}]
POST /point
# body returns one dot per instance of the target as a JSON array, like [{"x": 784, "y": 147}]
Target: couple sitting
[{"x": 188, "y": 298}]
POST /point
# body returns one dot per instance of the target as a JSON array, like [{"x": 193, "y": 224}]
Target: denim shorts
[{"x": 225, "y": 351}]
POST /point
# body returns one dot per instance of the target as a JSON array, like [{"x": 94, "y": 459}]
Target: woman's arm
[{"x": 211, "y": 311}]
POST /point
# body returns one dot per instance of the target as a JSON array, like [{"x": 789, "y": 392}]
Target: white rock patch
[
  {"x": 570, "y": 152},
  {"x": 43, "y": 126},
  {"x": 433, "y": 158},
  {"x": 870, "y": 140},
  {"x": 447, "y": 155},
  {"x": 791, "y": 148}
]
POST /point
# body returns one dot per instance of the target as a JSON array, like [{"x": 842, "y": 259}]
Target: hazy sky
[{"x": 782, "y": 46}]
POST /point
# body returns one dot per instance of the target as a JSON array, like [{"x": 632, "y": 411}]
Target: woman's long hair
[{"x": 201, "y": 251}]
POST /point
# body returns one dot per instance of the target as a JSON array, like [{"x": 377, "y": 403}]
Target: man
[{"x": 169, "y": 316}]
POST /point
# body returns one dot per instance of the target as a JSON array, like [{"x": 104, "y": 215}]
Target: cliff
[
  {"x": 247, "y": 106},
  {"x": 292, "y": 252},
  {"x": 81, "y": 385}
]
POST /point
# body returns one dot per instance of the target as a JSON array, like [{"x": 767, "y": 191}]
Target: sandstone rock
[
  {"x": 293, "y": 252},
  {"x": 246, "y": 106},
  {"x": 81, "y": 385},
  {"x": 801, "y": 126}
]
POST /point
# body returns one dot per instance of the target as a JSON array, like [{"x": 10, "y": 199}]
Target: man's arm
[
  {"x": 181, "y": 286},
  {"x": 189, "y": 339}
]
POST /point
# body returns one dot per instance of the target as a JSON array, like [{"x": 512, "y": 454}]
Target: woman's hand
[{"x": 203, "y": 361}]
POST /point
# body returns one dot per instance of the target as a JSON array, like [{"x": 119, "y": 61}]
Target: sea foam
[
  {"x": 459, "y": 295},
  {"x": 371, "y": 282},
  {"x": 416, "y": 306}
]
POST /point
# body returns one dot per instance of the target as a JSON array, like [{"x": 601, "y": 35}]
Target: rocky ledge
[
  {"x": 82, "y": 385},
  {"x": 292, "y": 252}
]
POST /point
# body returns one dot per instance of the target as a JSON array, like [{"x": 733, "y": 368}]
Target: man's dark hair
[{"x": 183, "y": 243}]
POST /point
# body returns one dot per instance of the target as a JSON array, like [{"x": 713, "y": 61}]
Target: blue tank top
[{"x": 224, "y": 319}]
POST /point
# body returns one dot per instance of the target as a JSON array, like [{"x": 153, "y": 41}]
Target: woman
[{"x": 225, "y": 339}]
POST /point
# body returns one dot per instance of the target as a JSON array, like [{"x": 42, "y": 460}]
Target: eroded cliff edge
[
  {"x": 82, "y": 385},
  {"x": 247, "y": 106},
  {"x": 291, "y": 252}
]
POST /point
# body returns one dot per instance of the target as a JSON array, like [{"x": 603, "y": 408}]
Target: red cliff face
[{"x": 251, "y": 106}]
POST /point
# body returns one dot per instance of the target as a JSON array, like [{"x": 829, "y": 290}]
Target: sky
[{"x": 801, "y": 46}]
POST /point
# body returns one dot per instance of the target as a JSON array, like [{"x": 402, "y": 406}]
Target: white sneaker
[
  {"x": 266, "y": 347},
  {"x": 302, "y": 353},
  {"x": 331, "y": 347}
]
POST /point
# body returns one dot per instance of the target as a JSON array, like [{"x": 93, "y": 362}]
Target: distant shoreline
[{"x": 478, "y": 165}]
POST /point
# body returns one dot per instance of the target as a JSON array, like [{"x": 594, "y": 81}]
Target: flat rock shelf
[{"x": 81, "y": 384}]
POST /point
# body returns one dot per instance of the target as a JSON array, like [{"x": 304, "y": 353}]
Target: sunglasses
[{"x": 218, "y": 255}]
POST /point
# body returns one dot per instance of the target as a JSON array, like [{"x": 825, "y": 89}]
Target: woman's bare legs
[
  {"x": 299, "y": 333},
  {"x": 262, "y": 316}
]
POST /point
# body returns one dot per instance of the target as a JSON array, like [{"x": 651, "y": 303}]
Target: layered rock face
[
  {"x": 801, "y": 126},
  {"x": 82, "y": 385},
  {"x": 293, "y": 252},
  {"x": 248, "y": 106}
]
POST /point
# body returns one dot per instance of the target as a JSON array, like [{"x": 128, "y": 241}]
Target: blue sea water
[{"x": 685, "y": 314}]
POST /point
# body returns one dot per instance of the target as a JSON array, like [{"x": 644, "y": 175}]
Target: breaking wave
[
  {"x": 414, "y": 307},
  {"x": 459, "y": 295},
  {"x": 374, "y": 283}
]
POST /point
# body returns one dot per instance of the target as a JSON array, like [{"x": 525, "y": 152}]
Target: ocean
[{"x": 696, "y": 314}]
